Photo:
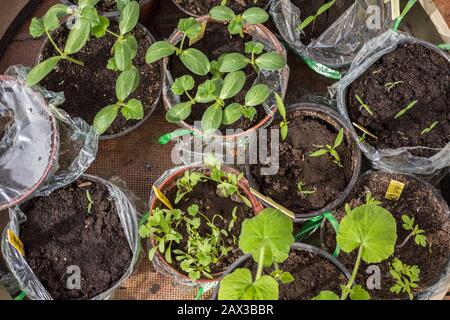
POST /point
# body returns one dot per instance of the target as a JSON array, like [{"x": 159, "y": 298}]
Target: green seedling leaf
[
  {"x": 78, "y": 36},
  {"x": 91, "y": 15},
  {"x": 249, "y": 112},
  {"x": 112, "y": 64},
  {"x": 212, "y": 118},
  {"x": 190, "y": 27},
  {"x": 87, "y": 3},
  {"x": 183, "y": 84},
  {"x": 255, "y": 15},
  {"x": 239, "y": 285},
  {"x": 364, "y": 105},
  {"x": 320, "y": 11},
  {"x": 236, "y": 26},
  {"x": 179, "y": 112},
  {"x": 195, "y": 61},
  {"x": 125, "y": 51},
  {"x": 40, "y": 71},
  {"x": 37, "y": 28},
  {"x": 232, "y": 113},
  {"x": 405, "y": 110},
  {"x": 222, "y": 13},
  {"x": 271, "y": 61},
  {"x": 318, "y": 153},
  {"x": 100, "y": 30},
  {"x": 232, "y": 85},
  {"x": 233, "y": 62},
  {"x": 430, "y": 128},
  {"x": 129, "y": 17},
  {"x": 339, "y": 139},
  {"x": 284, "y": 129},
  {"x": 257, "y": 95},
  {"x": 326, "y": 295},
  {"x": 306, "y": 23},
  {"x": 126, "y": 83},
  {"x": 206, "y": 92},
  {"x": 359, "y": 293},
  {"x": 133, "y": 110},
  {"x": 51, "y": 18},
  {"x": 121, "y": 4},
  {"x": 105, "y": 118},
  {"x": 254, "y": 47},
  {"x": 159, "y": 50}
]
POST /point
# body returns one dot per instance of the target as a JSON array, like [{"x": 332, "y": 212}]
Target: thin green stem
[
  {"x": 81, "y": 63},
  {"x": 349, "y": 285},
  {"x": 112, "y": 33},
  {"x": 182, "y": 43},
  {"x": 54, "y": 43},
  {"x": 261, "y": 263}
]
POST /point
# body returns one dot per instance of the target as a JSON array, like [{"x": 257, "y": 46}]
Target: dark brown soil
[
  {"x": 216, "y": 42},
  {"x": 210, "y": 204},
  {"x": 202, "y": 7},
  {"x": 419, "y": 201},
  {"x": 307, "y": 129},
  {"x": 90, "y": 88},
  {"x": 312, "y": 274},
  {"x": 445, "y": 188},
  {"x": 59, "y": 232},
  {"x": 322, "y": 22},
  {"x": 426, "y": 78},
  {"x": 105, "y": 5}
]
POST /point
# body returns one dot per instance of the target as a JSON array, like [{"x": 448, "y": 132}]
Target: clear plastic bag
[
  {"x": 339, "y": 44},
  {"x": 19, "y": 267},
  {"x": 395, "y": 160}
]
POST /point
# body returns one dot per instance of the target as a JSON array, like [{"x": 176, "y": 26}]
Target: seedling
[
  {"x": 284, "y": 129},
  {"x": 268, "y": 238},
  {"x": 236, "y": 22},
  {"x": 89, "y": 200},
  {"x": 187, "y": 183},
  {"x": 312, "y": 19},
  {"x": 406, "y": 109},
  {"x": 331, "y": 150},
  {"x": 304, "y": 193},
  {"x": 371, "y": 230},
  {"x": 430, "y": 128},
  {"x": 406, "y": 277},
  {"x": 418, "y": 234},
  {"x": 364, "y": 131},
  {"x": 391, "y": 85},
  {"x": 364, "y": 105}
]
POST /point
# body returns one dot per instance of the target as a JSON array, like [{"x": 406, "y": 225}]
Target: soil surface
[
  {"x": 312, "y": 274},
  {"x": 307, "y": 130},
  {"x": 202, "y": 7},
  {"x": 418, "y": 201},
  {"x": 445, "y": 188},
  {"x": 210, "y": 203},
  {"x": 60, "y": 232},
  {"x": 425, "y": 77},
  {"x": 216, "y": 42},
  {"x": 323, "y": 21},
  {"x": 90, "y": 88},
  {"x": 105, "y": 5}
]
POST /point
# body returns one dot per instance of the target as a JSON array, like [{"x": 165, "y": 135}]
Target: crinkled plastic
[
  {"x": 395, "y": 160},
  {"x": 19, "y": 266},
  {"x": 339, "y": 44},
  {"x": 43, "y": 145}
]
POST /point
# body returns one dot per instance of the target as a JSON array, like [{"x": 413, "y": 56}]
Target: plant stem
[
  {"x": 349, "y": 285},
  {"x": 81, "y": 63},
  {"x": 113, "y": 33},
  {"x": 261, "y": 263},
  {"x": 182, "y": 42},
  {"x": 54, "y": 43},
  {"x": 405, "y": 241}
]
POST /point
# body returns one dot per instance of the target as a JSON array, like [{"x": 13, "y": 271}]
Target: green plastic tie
[
  {"x": 444, "y": 46},
  {"x": 21, "y": 296},
  {"x": 199, "y": 294},
  {"x": 399, "y": 20},
  {"x": 166, "y": 138},
  {"x": 322, "y": 69}
]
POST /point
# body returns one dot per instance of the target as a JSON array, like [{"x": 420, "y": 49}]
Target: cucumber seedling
[
  {"x": 308, "y": 20},
  {"x": 331, "y": 149},
  {"x": 362, "y": 105}
]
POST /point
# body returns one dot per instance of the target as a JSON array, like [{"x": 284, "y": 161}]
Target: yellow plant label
[
  {"x": 394, "y": 191},
  {"x": 15, "y": 242},
  {"x": 161, "y": 197}
]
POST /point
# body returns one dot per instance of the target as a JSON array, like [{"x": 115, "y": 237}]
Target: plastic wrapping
[
  {"x": 19, "y": 266},
  {"x": 394, "y": 160},
  {"x": 339, "y": 44}
]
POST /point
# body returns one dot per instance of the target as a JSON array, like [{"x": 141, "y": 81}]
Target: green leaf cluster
[
  {"x": 406, "y": 277},
  {"x": 418, "y": 234},
  {"x": 236, "y": 22},
  {"x": 310, "y": 19},
  {"x": 331, "y": 149}
]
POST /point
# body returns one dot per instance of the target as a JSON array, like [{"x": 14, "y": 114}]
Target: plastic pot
[
  {"x": 296, "y": 246},
  {"x": 181, "y": 8},
  {"x": 166, "y": 183},
  {"x": 262, "y": 34},
  {"x": 29, "y": 148},
  {"x": 19, "y": 267},
  {"x": 151, "y": 39},
  {"x": 145, "y": 5},
  {"x": 331, "y": 117}
]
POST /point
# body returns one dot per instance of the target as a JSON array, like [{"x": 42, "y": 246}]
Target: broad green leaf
[
  {"x": 183, "y": 84},
  {"x": 91, "y": 15},
  {"x": 233, "y": 62},
  {"x": 195, "y": 61},
  {"x": 179, "y": 112},
  {"x": 105, "y": 118},
  {"x": 239, "y": 285},
  {"x": 126, "y": 83},
  {"x": 190, "y": 27},
  {"x": 40, "y": 71},
  {"x": 212, "y": 118},
  {"x": 86, "y": 3},
  {"x": 222, "y": 13},
  {"x": 51, "y": 18},
  {"x": 326, "y": 295},
  {"x": 78, "y": 36},
  {"x": 359, "y": 293},
  {"x": 270, "y": 229},
  {"x": 257, "y": 95},
  {"x": 318, "y": 153},
  {"x": 371, "y": 227},
  {"x": 254, "y": 47},
  {"x": 37, "y": 28},
  {"x": 306, "y": 23},
  {"x": 271, "y": 61},
  {"x": 159, "y": 50},
  {"x": 232, "y": 85},
  {"x": 280, "y": 105},
  {"x": 100, "y": 30},
  {"x": 125, "y": 51},
  {"x": 133, "y": 110},
  {"x": 339, "y": 139},
  {"x": 255, "y": 15},
  {"x": 121, "y": 4},
  {"x": 232, "y": 113},
  {"x": 206, "y": 92},
  {"x": 129, "y": 17}
]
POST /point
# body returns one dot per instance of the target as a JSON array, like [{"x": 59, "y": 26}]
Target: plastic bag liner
[
  {"x": 396, "y": 160},
  {"x": 19, "y": 266},
  {"x": 339, "y": 44}
]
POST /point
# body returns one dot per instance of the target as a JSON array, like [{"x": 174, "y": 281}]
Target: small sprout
[
  {"x": 363, "y": 105},
  {"x": 370, "y": 200},
  {"x": 430, "y": 128},
  {"x": 391, "y": 85},
  {"x": 406, "y": 277},
  {"x": 284, "y": 129},
  {"x": 90, "y": 201},
  {"x": 405, "y": 110},
  {"x": 233, "y": 219},
  {"x": 331, "y": 150},
  {"x": 301, "y": 185},
  {"x": 418, "y": 234},
  {"x": 312, "y": 19}
]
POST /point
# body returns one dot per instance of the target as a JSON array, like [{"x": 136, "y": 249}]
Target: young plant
[
  {"x": 331, "y": 150},
  {"x": 406, "y": 109},
  {"x": 370, "y": 229},
  {"x": 303, "y": 192},
  {"x": 312, "y": 19},
  {"x": 418, "y": 234},
  {"x": 391, "y": 85},
  {"x": 272, "y": 61},
  {"x": 268, "y": 238},
  {"x": 236, "y": 22},
  {"x": 89, "y": 200},
  {"x": 362, "y": 105},
  {"x": 284, "y": 129},
  {"x": 193, "y": 59},
  {"x": 430, "y": 128},
  {"x": 406, "y": 277}
]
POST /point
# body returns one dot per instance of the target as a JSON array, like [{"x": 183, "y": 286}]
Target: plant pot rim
[
  {"x": 321, "y": 109},
  {"x": 152, "y": 108},
  {"x": 296, "y": 246},
  {"x": 257, "y": 207},
  {"x": 108, "y": 14},
  {"x": 174, "y": 39},
  {"x": 53, "y": 156}
]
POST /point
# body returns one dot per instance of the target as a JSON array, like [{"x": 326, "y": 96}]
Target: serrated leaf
[
  {"x": 183, "y": 84},
  {"x": 255, "y": 15},
  {"x": 100, "y": 30},
  {"x": 179, "y": 112},
  {"x": 159, "y": 50},
  {"x": 326, "y": 295},
  {"x": 239, "y": 285},
  {"x": 236, "y": 26},
  {"x": 133, "y": 110},
  {"x": 232, "y": 85},
  {"x": 129, "y": 17},
  {"x": 359, "y": 293},
  {"x": 41, "y": 70},
  {"x": 257, "y": 95},
  {"x": 206, "y": 92},
  {"x": 254, "y": 47},
  {"x": 51, "y": 18},
  {"x": 78, "y": 36},
  {"x": 37, "y": 28},
  {"x": 195, "y": 61},
  {"x": 271, "y": 61},
  {"x": 105, "y": 118},
  {"x": 190, "y": 26}
]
